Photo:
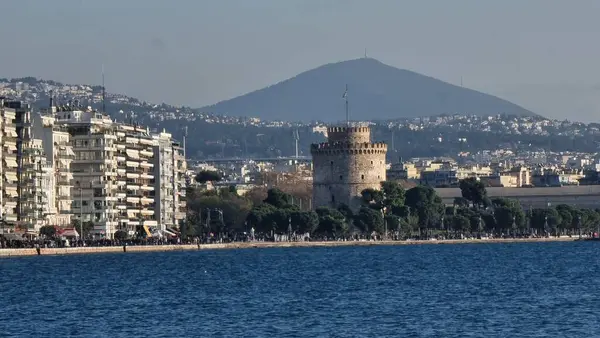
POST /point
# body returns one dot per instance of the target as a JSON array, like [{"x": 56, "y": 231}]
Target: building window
[
  {"x": 341, "y": 177},
  {"x": 332, "y": 199},
  {"x": 371, "y": 162},
  {"x": 362, "y": 177},
  {"x": 331, "y": 163}
]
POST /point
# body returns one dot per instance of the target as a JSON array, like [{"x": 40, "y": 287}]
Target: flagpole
[{"x": 347, "y": 115}]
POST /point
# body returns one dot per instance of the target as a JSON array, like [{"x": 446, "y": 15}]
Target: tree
[
  {"x": 394, "y": 194},
  {"x": 260, "y": 217},
  {"x": 473, "y": 190},
  {"x": 48, "y": 231},
  {"x": 372, "y": 196},
  {"x": 208, "y": 176},
  {"x": 566, "y": 215},
  {"x": 331, "y": 222},
  {"x": 369, "y": 220},
  {"x": 120, "y": 235},
  {"x": 461, "y": 202},
  {"x": 393, "y": 222},
  {"x": 461, "y": 223},
  {"x": 426, "y": 203},
  {"x": 304, "y": 221},
  {"x": 278, "y": 198}
]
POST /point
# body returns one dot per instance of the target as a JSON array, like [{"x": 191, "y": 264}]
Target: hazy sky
[{"x": 542, "y": 54}]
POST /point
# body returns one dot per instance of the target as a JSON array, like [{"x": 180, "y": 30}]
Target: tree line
[{"x": 390, "y": 211}]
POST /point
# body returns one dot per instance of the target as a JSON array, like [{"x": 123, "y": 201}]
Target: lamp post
[
  {"x": 579, "y": 225},
  {"x": 2, "y": 222},
  {"x": 514, "y": 226},
  {"x": 81, "y": 213}
]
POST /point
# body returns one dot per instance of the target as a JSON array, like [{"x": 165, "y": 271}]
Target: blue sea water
[{"x": 472, "y": 290}]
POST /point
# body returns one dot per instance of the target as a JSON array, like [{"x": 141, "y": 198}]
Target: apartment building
[
  {"x": 125, "y": 178},
  {"x": 170, "y": 183},
  {"x": 56, "y": 169},
  {"x": 9, "y": 197},
  {"x": 73, "y": 163}
]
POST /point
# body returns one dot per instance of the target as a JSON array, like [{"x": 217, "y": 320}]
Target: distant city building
[{"x": 345, "y": 165}]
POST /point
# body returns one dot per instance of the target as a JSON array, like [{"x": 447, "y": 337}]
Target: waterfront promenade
[{"x": 249, "y": 245}]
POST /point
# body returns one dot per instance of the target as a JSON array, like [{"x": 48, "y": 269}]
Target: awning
[
  {"x": 70, "y": 233},
  {"x": 70, "y": 151},
  {"x": 131, "y": 164},
  {"x": 10, "y": 147},
  {"x": 11, "y": 133},
  {"x": 134, "y": 154},
  {"x": 11, "y": 193},
  {"x": 11, "y": 163},
  {"x": 13, "y": 236},
  {"x": 169, "y": 233},
  {"x": 133, "y": 175},
  {"x": 11, "y": 176}
]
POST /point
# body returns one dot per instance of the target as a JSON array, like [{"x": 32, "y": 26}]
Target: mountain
[{"x": 376, "y": 92}]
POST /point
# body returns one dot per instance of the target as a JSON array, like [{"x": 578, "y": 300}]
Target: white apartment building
[
  {"x": 118, "y": 169},
  {"x": 9, "y": 197},
  {"x": 170, "y": 168},
  {"x": 58, "y": 155}
]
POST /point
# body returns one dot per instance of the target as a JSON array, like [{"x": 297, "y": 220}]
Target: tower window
[
  {"x": 371, "y": 162},
  {"x": 362, "y": 177},
  {"x": 331, "y": 163},
  {"x": 332, "y": 199},
  {"x": 341, "y": 177}
]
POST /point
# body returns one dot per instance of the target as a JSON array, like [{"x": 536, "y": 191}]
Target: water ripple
[{"x": 495, "y": 290}]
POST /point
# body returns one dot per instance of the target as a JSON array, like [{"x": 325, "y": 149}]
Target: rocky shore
[{"x": 248, "y": 245}]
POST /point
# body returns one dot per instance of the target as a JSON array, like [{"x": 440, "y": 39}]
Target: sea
[{"x": 463, "y": 290}]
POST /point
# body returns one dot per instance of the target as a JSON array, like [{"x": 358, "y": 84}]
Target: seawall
[{"x": 248, "y": 245}]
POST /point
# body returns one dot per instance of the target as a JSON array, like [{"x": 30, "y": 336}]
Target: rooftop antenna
[
  {"x": 103, "y": 92},
  {"x": 345, "y": 97}
]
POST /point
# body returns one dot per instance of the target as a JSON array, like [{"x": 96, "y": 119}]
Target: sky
[{"x": 541, "y": 54}]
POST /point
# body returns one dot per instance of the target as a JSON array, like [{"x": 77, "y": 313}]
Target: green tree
[
  {"x": 48, "y": 231},
  {"x": 427, "y": 205},
  {"x": 461, "y": 223},
  {"x": 372, "y": 196},
  {"x": 393, "y": 222},
  {"x": 331, "y": 222},
  {"x": 120, "y": 235},
  {"x": 461, "y": 202},
  {"x": 566, "y": 213},
  {"x": 304, "y": 221},
  {"x": 278, "y": 198},
  {"x": 393, "y": 194},
  {"x": 369, "y": 220},
  {"x": 208, "y": 176},
  {"x": 473, "y": 190},
  {"x": 260, "y": 217}
]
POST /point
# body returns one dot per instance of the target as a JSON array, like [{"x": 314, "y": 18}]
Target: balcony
[{"x": 146, "y": 153}]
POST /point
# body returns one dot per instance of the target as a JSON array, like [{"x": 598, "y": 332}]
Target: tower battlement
[
  {"x": 348, "y": 148},
  {"x": 349, "y": 134}
]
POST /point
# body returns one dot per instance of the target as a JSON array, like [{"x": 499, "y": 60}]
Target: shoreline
[{"x": 257, "y": 245}]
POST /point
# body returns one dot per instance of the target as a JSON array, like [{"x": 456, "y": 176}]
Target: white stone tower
[{"x": 345, "y": 165}]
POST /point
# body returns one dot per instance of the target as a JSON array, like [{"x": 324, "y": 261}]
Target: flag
[{"x": 345, "y": 95}]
